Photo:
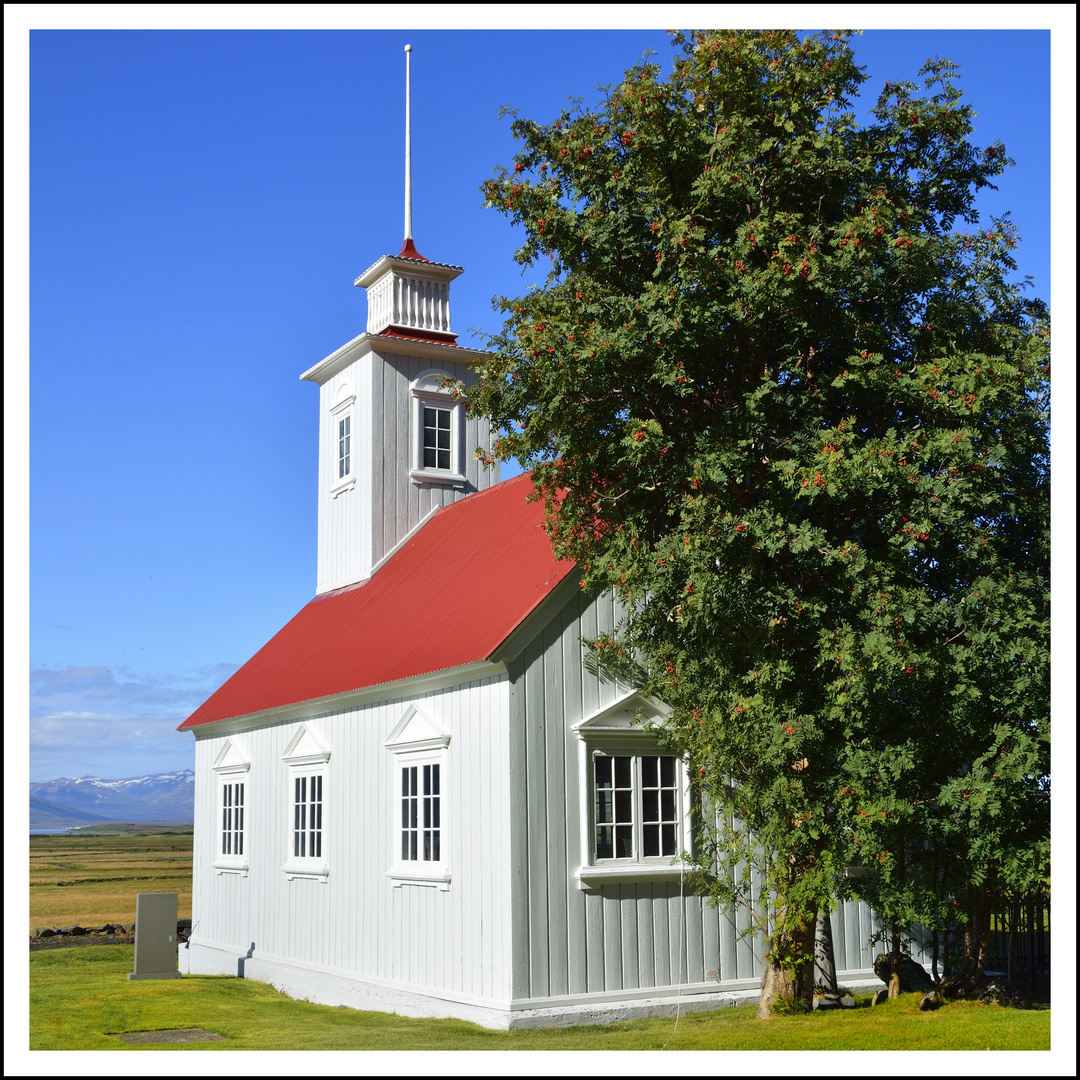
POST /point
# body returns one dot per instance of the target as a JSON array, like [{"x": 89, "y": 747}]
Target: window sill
[
  {"x": 312, "y": 869},
  {"x": 223, "y": 866},
  {"x": 444, "y": 477},
  {"x": 406, "y": 875},
  {"x": 591, "y": 878},
  {"x": 342, "y": 485}
]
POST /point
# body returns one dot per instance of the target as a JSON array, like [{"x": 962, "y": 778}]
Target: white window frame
[
  {"x": 342, "y": 410},
  {"x": 612, "y": 732},
  {"x": 427, "y": 392},
  {"x": 231, "y": 768},
  {"x": 417, "y": 741},
  {"x": 305, "y": 759},
  {"x": 637, "y": 823}
]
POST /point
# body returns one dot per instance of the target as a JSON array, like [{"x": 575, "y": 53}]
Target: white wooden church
[{"x": 414, "y": 798}]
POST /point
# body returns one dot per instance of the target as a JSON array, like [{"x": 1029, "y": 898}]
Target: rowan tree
[{"x": 781, "y": 393}]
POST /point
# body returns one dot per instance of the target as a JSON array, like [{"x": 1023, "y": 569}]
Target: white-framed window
[
  {"x": 421, "y": 812},
  {"x": 634, "y": 796},
  {"x": 635, "y": 806},
  {"x": 308, "y": 764},
  {"x": 438, "y": 422},
  {"x": 307, "y": 826},
  {"x": 344, "y": 446},
  {"x": 342, "y": 465},
  {"x": 419, "y": 748},
  {"x": 232, "y": 818},
  {"x": 231, "y": 770},
  {"x": 436, "y": 436}
]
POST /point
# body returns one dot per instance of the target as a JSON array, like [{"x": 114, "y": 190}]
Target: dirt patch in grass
[{"x": 169, "y": 1035}]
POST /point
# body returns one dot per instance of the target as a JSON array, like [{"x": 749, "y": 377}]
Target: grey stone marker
[{"x": 155, "y": 936}]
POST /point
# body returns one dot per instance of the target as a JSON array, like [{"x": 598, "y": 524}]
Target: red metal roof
[
  {"x": 420, "y": 335},
  {"x": 450, "y": 596}
]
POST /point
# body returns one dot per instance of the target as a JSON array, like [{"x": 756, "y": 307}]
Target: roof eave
[
  {"x": 365, "y": 343},
  {"x": 535, "y": 620},
  {"x": 420, "y": 267},
  {"x": 351, "y": 699}
]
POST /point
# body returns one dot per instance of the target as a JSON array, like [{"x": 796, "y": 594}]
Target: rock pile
[
  {"x": 58, "y": 937},
  {"x": 913, "y": 976}
]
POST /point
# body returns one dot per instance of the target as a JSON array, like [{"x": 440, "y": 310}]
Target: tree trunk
[
  {"x": 894, "y": 976},
  {"x": 984, "y": 935},
  {"x": 789, "y": 976},
  {"x": 824, "y": 957},
  {"x": 1013, "y": 928},
  {"x": 965, "y": 980}
]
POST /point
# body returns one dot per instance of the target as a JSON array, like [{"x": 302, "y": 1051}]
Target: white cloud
[{"x": 99, "y": 722}]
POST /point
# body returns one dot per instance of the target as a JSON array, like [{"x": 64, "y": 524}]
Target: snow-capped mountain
[{"x": 162, "y": 798}]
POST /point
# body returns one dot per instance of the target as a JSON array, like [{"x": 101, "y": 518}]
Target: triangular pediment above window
[
  {"x": 231, "y": 759},
  {"x": 417, "y": 731},
  {"x": 305, "y": 749},
  {"x": 627, "y": 715}
]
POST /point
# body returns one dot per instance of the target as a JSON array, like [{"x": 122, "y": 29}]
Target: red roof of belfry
[
  {"x": 408, "y": 251},
  {"x": 450, "y": 596}
]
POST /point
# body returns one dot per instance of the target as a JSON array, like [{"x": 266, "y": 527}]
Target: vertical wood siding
[
  {"x": 626, "y": 935},
  {"x": 357, "y": 921},
  {"x": 400, "y": 505},
  {"x": 345, "y": 520},
  {"x": 362, "y": 524},
  {"x": 514, "y": 923}
]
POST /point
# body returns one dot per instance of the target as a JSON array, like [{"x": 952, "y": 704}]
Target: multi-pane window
[
  {"x": 436, "y": 438},
  {"x": 307, "y": 817},
  {"x": 232, "y": 819},
  {"x": 636, "y": 808},
  {"x": 344, "y": 446},
  {"x": 420, "y": 814}
]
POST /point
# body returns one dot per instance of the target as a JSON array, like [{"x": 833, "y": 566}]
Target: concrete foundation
[{"x": 339, "y": 988}]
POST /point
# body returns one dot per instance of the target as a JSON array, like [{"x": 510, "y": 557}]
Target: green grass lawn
[{"x": 78, "y": 997}]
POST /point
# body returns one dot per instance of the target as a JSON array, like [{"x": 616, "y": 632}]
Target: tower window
[
  {"x": 344, "y": 446},
  {"x": 339, "y": 441},
  {"x": 436, "y": 438},
  {"x": 438, "y": 431}
]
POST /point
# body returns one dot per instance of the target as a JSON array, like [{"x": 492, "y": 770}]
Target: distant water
[{"x": 52, "y": 832}]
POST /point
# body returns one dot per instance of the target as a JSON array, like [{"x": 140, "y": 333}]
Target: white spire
[{"x": 408, "y": 151}]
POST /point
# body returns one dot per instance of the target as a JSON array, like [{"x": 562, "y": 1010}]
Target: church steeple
[
  {"x": 394, "y": 442},
  {"x": 408, "y": 248},
  {"x": 408, "y": 294}
]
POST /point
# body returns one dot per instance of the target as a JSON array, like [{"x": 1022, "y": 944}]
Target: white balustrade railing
[{"x": 410, "y": 302}]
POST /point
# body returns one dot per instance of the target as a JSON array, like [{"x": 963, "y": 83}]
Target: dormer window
[{"x": 438, "y": 431}]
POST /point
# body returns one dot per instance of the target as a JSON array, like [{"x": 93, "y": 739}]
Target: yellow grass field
[{"x": 92, "y": 880}]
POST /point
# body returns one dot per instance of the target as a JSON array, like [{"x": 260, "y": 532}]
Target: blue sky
[{"x": 199, "y": 205}]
